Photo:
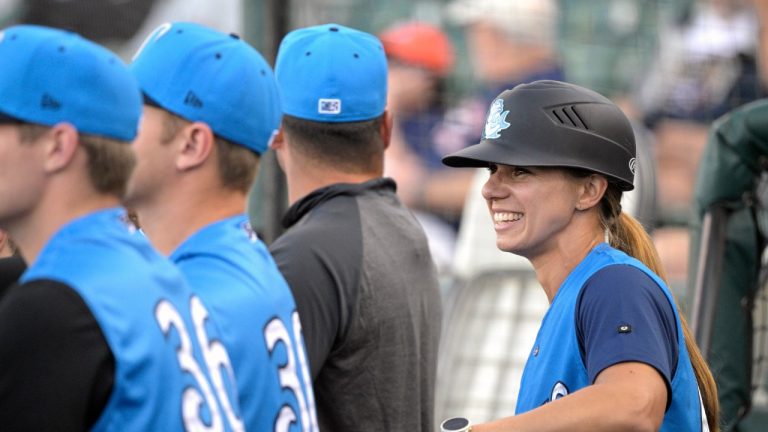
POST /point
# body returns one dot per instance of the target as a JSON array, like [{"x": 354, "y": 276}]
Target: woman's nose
[{"x": 492, "y": 188}]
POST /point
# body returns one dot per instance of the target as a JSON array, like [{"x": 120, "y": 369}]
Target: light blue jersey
[
  {"x": 232, "y": 271},
  {"x": 555, "y": 368},
  {"x": 150, "y": 320}
]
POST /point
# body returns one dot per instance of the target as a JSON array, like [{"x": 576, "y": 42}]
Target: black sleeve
[
  {"x": 316, "y": 298},
  {"x": 11, "y": 269},
  {"x": 321, "y": 263},
  {"x": 56, "y": 369}
]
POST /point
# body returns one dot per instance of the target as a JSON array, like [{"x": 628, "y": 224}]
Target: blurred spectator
[
  {"x": 509, "y": 42},
  {"x": 420, "y": 56},
  {"x": 706, "y": 66}
]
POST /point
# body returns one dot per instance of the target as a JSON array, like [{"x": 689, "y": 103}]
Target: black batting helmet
[{"x": 552, "y": 123}]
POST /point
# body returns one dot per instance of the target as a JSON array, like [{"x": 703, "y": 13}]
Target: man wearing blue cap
[
  {"x": 357, "y": 261},
  {"x": 102, "y": 333},
  {"x": 211, "y": 108}
]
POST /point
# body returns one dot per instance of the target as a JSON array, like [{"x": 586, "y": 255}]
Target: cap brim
[
  {"x": 4, "y": 118},
  {"x": 490, "y": 152},
  {"x": 476, "y": 156},
  {"x": 485, "y": 153},
  {"x": 151, "y": 102}
]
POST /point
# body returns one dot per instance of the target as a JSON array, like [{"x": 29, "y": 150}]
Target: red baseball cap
[{"x": 419, "y": 44}]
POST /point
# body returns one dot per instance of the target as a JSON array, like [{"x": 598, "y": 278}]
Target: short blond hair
[
  {"x": 237, "y": 164},
  {"x": 110, "y": 161}
]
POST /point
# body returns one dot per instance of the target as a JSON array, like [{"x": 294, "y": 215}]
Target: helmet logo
[
  {"x": 496, "y": 121},
  {"x": 633, "y": 165}
]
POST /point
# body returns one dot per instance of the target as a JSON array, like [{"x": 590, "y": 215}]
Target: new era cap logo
[
  {"x": 48, "y": 102},
  {"x": 192, "y": 100},
  {"x": 329, "y": 106}
]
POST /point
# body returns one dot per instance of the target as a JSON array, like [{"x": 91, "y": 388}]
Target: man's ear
[
  {"x": 278, "y": 145},
  {"x": 386, "y": 128},
  {"x": 278, "y": 139},
  {"x": 61, "y": 142},
  {"x": 195, "y": 146},
  {"x": 593, "y": 189}
]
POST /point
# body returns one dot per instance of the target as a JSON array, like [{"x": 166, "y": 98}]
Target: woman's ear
[{"x": 593, "y": 189}]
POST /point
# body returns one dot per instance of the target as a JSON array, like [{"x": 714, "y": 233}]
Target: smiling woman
[
  {"x": 532, "y": 207},
  {"x": 613, "y": 352}
]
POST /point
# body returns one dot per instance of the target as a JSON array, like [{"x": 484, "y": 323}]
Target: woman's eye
[{"x": 492, "y": 168}]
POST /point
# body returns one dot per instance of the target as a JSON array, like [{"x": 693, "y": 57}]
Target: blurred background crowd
[{"x": 674, "y": 66}]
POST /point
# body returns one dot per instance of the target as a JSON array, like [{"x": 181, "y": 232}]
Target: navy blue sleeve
[{"x": 622, "y": 315}]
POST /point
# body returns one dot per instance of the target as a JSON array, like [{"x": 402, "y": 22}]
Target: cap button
[
  {"x": 334, "y": 29},
  {"x": 234, "y": 36}
]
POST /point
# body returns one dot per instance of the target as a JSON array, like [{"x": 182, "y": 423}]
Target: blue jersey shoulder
[{"x": 234, "y": 274}]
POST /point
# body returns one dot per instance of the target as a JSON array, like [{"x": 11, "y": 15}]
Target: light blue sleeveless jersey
[
  {"x": 555, "y": 368},
  {"x": 142, "y": 305},
  {"x": 233, "y": 272}
]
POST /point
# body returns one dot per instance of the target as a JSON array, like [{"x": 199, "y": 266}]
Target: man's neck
[
  {"x": 302, "y": 182},
  {"x": 32, "y": 231},
  {"x": 169, "y": 222}
]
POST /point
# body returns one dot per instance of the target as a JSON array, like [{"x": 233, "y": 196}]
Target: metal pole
[
  {"x": 708, "y": 275},
  {"x": 267, "y": 201}
]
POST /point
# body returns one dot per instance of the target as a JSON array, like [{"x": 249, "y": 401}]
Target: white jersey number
[
  {"x": 274, "y": 333},
  {"x": 216, "y": 359}
]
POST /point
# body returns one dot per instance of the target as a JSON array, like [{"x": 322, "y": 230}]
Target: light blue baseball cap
[
  {"x": 201, "y": 74},
  {"x": 49, "y": 76},
  {"x": 332, "y": 73}
]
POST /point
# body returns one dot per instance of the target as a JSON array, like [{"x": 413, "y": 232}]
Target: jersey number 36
[{"x": 216, "y": 359}]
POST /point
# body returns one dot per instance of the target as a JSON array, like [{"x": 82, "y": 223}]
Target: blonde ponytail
[{"x": 628, "y": 235}]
